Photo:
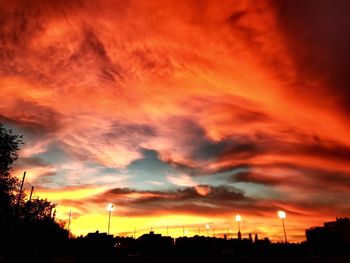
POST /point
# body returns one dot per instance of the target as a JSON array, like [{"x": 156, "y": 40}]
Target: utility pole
[
  {"x": 54, "y": 215},
  {"x": 21, "y": 189},
  {"x": 69, "y": 221},
  {"x": 284, "y": 230},
  {"x": 110, "y": 208},
  {"x": 31, "y": 193},
  {"x": 281, "y": 214},
  {"x": 109, "y": 221}
]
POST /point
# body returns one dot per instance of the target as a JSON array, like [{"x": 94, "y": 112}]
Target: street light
[
  {"x": 238, "y": 219},
  {"x": 281, "y": 214},
  {"x": 207, "y": 226},
  {"x": 110, "y": 208}
]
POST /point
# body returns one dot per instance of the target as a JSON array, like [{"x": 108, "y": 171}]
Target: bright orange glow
[{"x": 70, "y": 194}]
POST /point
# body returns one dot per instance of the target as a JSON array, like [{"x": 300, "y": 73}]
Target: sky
[{"x": 181, "y": 113}]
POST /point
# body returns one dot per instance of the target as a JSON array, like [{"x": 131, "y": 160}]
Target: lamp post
[
  {"x": 238, "y": 220},
  {"x": 207, "y": 226},
  {"x": 110, "y": 208},
  {"x": 281, "y": 214}
]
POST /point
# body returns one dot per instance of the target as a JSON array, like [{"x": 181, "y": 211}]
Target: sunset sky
[{"x": 181, "y": 113}]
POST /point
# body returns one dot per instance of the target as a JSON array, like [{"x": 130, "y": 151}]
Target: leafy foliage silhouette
[
  {"x": 23, "y": 221},
  {"x": 9, "y": 146}
]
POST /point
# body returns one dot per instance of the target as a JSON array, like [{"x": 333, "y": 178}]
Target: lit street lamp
[
  {"x": 110, "y": 208},
  {"x": 207, "y": 226},
  {"x": 281, "y": 214},
  {"x": 238, "y": 219}
]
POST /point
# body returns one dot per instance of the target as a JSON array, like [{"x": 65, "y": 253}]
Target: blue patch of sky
[
  {"x": 147, "y": 170},
  {"x": 54, "y": 154}
]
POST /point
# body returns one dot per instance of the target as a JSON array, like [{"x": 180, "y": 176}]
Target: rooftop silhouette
[{"x": 49, "y": 243}]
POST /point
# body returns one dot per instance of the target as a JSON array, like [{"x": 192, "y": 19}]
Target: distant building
[
  {"x": 154, "y": 244},
  {"x": 330, "y": 234},
  {"x": 97, "y": 236}
]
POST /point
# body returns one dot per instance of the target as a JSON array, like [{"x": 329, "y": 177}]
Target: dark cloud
[
  {"x": 244, "y": 150},
  {"x": 202, "y": 148},
  {"x": 238, "y": 110},
  {"x": 194, "y": 139},
  {"x": 236, "y": 16},
  {"x": 45, "y": 178},
  {"x": 26, "y": 162},
  {"x": 32, "y": 118},
  {"x": 327, "y": 150},
  {"x": 250, "y": 116},
  {"x": 319, "y": 38},
  {"x": 293, "y": 175},
  {"x": 183, "y": 200},
  {"x": 264, "y": 143},
  {"x": 129, "y": 131}
]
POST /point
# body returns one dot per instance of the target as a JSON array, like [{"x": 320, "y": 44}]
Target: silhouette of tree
[
  {"x": 33, "y": 210},
  {"x": 38, "y": 209},
  {"x": 25, "y": 225},
  {"x": 9, "y": 146}
]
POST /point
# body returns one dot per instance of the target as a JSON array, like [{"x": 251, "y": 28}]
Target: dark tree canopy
[
  {"x": 9, "y": 146},
  {"x": 24, "y": 224},
  {"x": 38, "y": 209},
  {"x": 10, "y": 209}
]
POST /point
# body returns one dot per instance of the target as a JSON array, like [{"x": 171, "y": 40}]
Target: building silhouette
[{"x": 333, "y": 236}]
